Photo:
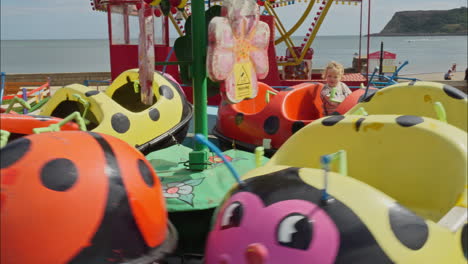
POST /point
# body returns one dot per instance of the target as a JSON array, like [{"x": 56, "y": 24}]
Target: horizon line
[{"x": 2, "y": 39}]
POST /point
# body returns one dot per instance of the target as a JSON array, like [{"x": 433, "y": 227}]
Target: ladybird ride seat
[
  {"x": 120, "y": 113},
  {"x": 418, "y": 98},
  {"x": 271, "y": 116}
]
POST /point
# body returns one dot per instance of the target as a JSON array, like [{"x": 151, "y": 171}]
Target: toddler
[{"x": 334, "y": 91}]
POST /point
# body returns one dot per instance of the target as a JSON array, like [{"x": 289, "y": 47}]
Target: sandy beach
[
  {"x": 457, "y": 79},
  {"x": 436, "y": 76}
]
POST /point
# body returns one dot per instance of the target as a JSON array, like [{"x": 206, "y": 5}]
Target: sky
[{"x": 74, "y": 19}]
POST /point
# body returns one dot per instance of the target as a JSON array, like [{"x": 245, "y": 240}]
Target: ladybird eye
[
  {"x": 232, "y": 216},
  {"x": 295, "y": 231}
]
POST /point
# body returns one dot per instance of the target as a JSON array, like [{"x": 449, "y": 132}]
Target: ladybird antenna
[
  {"x": 325, "y": 161},
  {"x": 202, "y": 139}
]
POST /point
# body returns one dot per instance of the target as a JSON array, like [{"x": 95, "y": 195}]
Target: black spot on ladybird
[
  {"x": 59, "y": 174},
  {"x": 166, "y": 91},
  {"x": 296, "y": 126},
  {"x": 239, "y": 118},
  {"x": 454, "y": 92},
  {"x": 332, "y": 120},
  {"x": 271, "y": 125},
  {"x": 154, "y": 114},
  {"x": 14, "y": 151},
  {"x": 91, "y": 93},
  {"x": 410, "y": 229},
  {"x": 145, "y": 173},
  {"x": 120, "y": 123},
  {"x": 359, "y": 123},
  {"x": 464, "y": 240},
  {"x": 409, "y": 120}
]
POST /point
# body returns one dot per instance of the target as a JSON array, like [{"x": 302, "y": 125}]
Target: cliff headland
[{"x": 427, "y": 23}]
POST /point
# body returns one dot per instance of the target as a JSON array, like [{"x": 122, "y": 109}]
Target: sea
[{"x": 425, "y": 54}]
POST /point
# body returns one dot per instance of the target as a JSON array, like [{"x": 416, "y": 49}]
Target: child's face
[{"x": 333, "y": 77}]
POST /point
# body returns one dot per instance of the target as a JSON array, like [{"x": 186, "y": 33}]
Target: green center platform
[{"x": 192, "y": 196}]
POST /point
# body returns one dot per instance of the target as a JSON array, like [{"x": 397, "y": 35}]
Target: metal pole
[
  {"x": 368, "y": 36},
  {"x": 109, "y": 27},
  {"x": 381, "y": 58},
  {"x": 2, "y": 88},
  {"x": 126, "y": 25},
  {"x": 360, "y": 40},
  {"x": 109, "y": 24},
  {"x": 165, "y": 26},
  {"x": 199, "y": 157}
]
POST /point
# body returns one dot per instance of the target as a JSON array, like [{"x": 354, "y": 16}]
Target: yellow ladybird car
[
  {"x": 417, "y": 98},
  {"x": 119, "y": 111},
  {"x": 402, "y": 200}
]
